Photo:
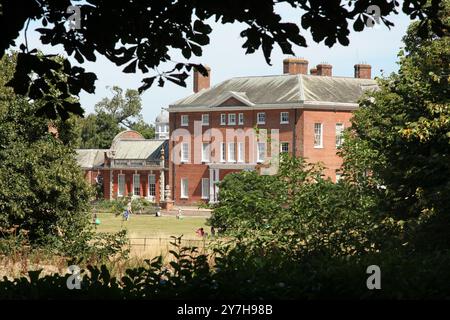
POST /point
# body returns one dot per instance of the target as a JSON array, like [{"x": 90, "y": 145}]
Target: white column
[
  {"x": 211, "y": 185},
  {"x": 110, "y": 184},
  {"x": 216, "y": 192},
  {"x": 161, "y": 185}
]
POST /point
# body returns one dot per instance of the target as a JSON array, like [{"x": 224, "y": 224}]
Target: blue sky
[{"x": 377, "y": 46}]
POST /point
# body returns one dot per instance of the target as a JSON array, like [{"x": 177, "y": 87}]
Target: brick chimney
[
  {"x": 363, "y": 71},
  {"x": 295, "y": 66},
  {"x": 324, "y": 69},
  {"x": 313, "y": 71},
  {"x": 200, "y": 81}
]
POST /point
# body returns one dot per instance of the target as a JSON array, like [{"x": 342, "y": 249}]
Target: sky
[{"x": 376, "y": 46}]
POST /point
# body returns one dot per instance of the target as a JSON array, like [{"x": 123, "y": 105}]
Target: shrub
[
  {"x": 297, "y": 210},
  {"x": 118, "y": 206},
  {"x": 238, "y": 273}
]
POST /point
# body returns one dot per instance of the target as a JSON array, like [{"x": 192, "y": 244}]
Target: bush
[
  {"x": 239, "y": 273},
  {"x": 118, "y": 206},
  {"x": 89, "y": 246},
  {"x": 12, "y": 244},
  {"x": 297, "y": 210}
]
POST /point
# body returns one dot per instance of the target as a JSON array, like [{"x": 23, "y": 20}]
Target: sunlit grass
[{"x": 139, "y": 226}]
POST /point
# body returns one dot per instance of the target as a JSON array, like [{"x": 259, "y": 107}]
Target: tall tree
[
  {"x": 139, "y": 34},
  {"x": 42, "y": 189},
  {"x": 111, "y": 116},
  {"x": 399, "y": 147},
  {"x": 98, "y": 131},
  {"x": 125, "y": 109}
]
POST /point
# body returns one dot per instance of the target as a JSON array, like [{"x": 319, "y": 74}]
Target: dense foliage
[
  {"x": 297, "y": 210},
  {"x": 399, "y": 146},
  {"x": 113, "y": 115},
  {"x": 42, "y": 189},
  {"x": 118, "y": 206},
  {"x": 241, "y": 274},
  {"x": 44, "y": 198}
]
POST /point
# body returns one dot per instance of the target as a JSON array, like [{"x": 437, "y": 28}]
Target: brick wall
[
  {"x": 106, "y": 182},
  {"x": 130, "y": 134},
  {"x": 195, "y": 172},
  {"x": 327, "y": 155},
  {"x": 300, "y": 121},
  {"x": 143, "y": 180}
]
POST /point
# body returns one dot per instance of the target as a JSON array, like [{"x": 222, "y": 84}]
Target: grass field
[
  {"x": 150, "y": 226},
  {"x": 156, "y": 231}
]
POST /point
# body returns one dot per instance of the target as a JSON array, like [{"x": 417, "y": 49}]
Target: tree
[
  {"x": 147, "y": 130},
  {"x": 111, "y": 116},
  {"x": 43, "y": 190},
  {"x": 297, "y": 211},
  {"x": 98, "y": 131},
  {"x": 139, "y": 34},
  {"x": 399, "y": 146},
  {"x": 126, "y": 110}
]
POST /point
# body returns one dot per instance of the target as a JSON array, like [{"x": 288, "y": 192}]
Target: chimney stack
[
  {"x": 200, "y": 81},
  {"x": 324, "y": 69},
  {"x": 295, "y": 66},
  {"x": 313, "y": 71},
  {"x": 363, "y": 71}
]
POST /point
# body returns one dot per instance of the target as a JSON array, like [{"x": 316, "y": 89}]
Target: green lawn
[{"x": 151, "y": 226}]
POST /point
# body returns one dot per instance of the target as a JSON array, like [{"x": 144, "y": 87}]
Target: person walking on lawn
[{"x": 128, "y": 211}]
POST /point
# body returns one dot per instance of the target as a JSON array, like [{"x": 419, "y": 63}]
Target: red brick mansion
[{"x": 224, "y": 128}]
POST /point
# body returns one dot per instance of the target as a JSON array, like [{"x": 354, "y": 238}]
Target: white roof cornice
[{"x": 240, "y": 96}]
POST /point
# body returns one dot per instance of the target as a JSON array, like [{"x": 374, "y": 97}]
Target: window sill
[
  {"x": 284, "y": 122},
  {"x": 318, "y": 147},
  {"x": 205, "y": 198},
  {"x": 184, "y": 198}
]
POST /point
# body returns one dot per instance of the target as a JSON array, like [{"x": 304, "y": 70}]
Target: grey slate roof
[
  {"x": 90, "y": 158},
  {"x": 137, "y": 149},
  {"x": 283, "y": 89}
]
